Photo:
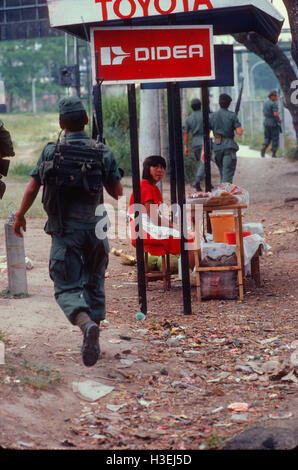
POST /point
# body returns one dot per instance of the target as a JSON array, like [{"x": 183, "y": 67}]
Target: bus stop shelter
[{"x": 80, "y": 17}]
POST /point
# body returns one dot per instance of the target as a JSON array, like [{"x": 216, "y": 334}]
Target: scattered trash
[
  {"x": 115, "y": 341},
  {"x": 116, "y": 407},
  {"x": 217, "y": 409},
  {"x": 128, "y": 259},
  {"x": 239, "y": 417},
  {"x": 90, "y": 390},
  {"x": 269, "y": 340},
  {"x": 238, "y": 407},
  {"x": 140, "y": 316},
  {"x": 127, "y": 362},
  {"x": 281, "y": 415}
]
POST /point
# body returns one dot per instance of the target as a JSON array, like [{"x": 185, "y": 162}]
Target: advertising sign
[
  {"x": 71, "y": 12},
  {"x": 153, "y": 54}
]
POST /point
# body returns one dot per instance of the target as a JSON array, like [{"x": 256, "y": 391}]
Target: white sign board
[{"x": 71, "y": 12}]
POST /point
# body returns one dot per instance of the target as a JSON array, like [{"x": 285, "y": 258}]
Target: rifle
[
  {"x": 237, "y": 107},
  {"x": 279, "y": 126},
  {"x": 97, "y": 132}
]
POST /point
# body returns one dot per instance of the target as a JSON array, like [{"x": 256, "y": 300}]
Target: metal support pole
[
  {"x": 174, "y": 91},
  {"x": 173, "y": 182},
  {"x": 97, "y": 128},
  {"x": 77, "y": 61},
  {"x": 133, "y": 127},
  {"x": 15, "y": 256},
  {"x": 207, "y": 146}
]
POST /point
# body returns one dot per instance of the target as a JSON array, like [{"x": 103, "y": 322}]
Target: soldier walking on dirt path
[
  {"x": 271, "y": 124},
  {"x": 79, "y": 251},
  {"x": 224, "y": 123},
  {"x": 194, "y": 125}
]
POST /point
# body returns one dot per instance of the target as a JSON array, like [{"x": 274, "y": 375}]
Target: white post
[
  {"x": 15, "y": 256},
  {"x": 33, "y": 96}
]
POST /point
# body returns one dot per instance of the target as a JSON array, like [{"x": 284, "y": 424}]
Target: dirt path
[{"x": 173, "y": 394}]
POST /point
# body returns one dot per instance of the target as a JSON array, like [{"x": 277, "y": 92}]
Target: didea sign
[{"x": 132, "y": 55}]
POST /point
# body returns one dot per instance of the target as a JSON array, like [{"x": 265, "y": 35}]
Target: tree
[
  {"x": 277, "y": 60},
  {"x": 23, "y": 61}
]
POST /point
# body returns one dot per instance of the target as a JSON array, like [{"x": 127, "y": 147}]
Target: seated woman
[{"x": 160, "y": 235}]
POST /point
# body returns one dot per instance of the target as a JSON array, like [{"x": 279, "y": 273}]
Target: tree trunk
[
  {"x": 149, "y": 138},
  {"x": 280, "y": 64},
  {"x": 291, "y": 6}
]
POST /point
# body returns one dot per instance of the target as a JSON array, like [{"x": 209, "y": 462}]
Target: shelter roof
[{"x": 77, "y": 16}]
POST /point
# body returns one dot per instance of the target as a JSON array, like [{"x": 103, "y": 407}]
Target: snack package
[{"x": 232, "y": 189}]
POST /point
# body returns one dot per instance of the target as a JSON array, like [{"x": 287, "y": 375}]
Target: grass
[
  {"x": 39, "y": 376},
  {"x": 5, "y": 294},
  {"x": 31, "y": 131},
  {"x": 18, "y": 371},
  {"x": 12, "y": 199}
]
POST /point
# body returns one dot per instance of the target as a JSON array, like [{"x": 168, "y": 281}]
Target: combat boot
[
  {"x": 90, "y": 348},
  {"x": 197, "y": 186},
  {"x": 263, "y": 150},
  {"x": 273, "y": 155}
]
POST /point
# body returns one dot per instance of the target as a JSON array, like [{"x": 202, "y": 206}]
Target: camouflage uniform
[
  {"x": 224, "y": 122},
  {"x": 271, "y": 127},
  {"x": 78, "y": 258},
  {"x": 194, "y": 124}
]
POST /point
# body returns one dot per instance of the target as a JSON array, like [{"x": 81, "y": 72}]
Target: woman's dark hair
[
  {"x": 74, "y": 121},
  {"x": 152, "y": 160}
]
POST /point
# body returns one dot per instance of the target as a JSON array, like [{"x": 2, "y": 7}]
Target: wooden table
[{"x": 240, "y": 267}]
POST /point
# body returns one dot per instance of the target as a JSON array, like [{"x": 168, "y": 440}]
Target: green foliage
[
  {"x": 116, "y": 129},
  {"x": 23, "y": 61}
]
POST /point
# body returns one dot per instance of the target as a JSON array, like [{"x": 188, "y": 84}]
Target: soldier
[
  {"x": 271, "y": 124},
  {"x": 224, "y": 123},
  {"x": 6, "y": 150},
  {"x": 194, "y": 125},
  {"x": 79, "y": 255}
]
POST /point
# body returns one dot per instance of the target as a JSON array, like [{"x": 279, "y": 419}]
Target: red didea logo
[{"x": 115, "y": 55}]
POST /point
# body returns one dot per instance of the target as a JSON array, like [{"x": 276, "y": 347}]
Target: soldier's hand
[{"x": 19, "y": 225}]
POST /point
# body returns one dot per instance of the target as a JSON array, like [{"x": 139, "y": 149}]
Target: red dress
[{"x": 154, "y": 246}]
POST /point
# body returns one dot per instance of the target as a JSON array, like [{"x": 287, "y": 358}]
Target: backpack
[{"x": 74, "y": 172}]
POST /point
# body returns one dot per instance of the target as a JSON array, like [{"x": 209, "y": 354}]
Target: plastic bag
[{"x": 241, "y": 194}]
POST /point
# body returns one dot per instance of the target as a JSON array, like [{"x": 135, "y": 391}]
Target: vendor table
[{"x": 240, "y": 267}]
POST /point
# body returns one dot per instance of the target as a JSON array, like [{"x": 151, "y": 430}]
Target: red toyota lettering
[
  {"x": 117, "y": 9},
  {"x": 144, "y": 4},
  {"x": 198, "y": 3},
  {"x": 103, "y": 8},
  {"x": 165, "y": 12}
]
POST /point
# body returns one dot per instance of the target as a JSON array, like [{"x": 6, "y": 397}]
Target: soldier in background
[
  {"x": 6, "y": 150},
  {"x": 194, "y": 125},
  {"x": 224, "y": 124},
  {"x": 271, "y": 124}
]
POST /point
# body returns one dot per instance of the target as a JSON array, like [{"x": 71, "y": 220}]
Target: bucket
[
  {"x": 230, "y": 237},
  {"x": 220, "y": 224}
]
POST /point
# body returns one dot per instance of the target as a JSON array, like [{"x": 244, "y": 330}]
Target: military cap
[
  {"x": 272, "y": 93},
  {"x": 70, "y": 104}
]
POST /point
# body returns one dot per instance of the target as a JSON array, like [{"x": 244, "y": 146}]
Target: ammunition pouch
[
  {"x": 73, "y": 181},
  {"x": 4, "y": 165},
  {"x": 6, "y": 146}
]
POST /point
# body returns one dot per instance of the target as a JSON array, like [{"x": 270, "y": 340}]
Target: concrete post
[{"x": 15, "y": 256}]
